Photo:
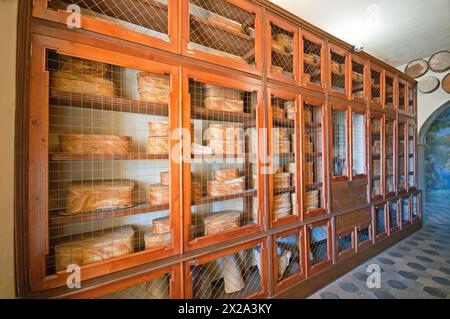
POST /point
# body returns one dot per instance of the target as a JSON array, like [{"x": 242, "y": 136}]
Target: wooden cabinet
[
  {"x": 357, "y": 78},
  {"x": 390, "y": 90},
  {"x": 376, "y": 83},
  {"x": 318, "y": 246},
  {"x": 338, "y": 62},
  {"x": 312, "y": 69}
]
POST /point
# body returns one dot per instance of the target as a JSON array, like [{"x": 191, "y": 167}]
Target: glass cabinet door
[
  {"x": 402, "y": 95},
  {"x": 389, "y": 156},
  {"x": 411, "y": 156},
  {"x": 338, "y": 73},
  {"x": 411, "y": 99},
  {"x": 389, "y": 84},
  {"x": 339, "y": 143},
  {"x": 377, "y": 161},
  {"x": 358, "y": 79},
  {"x": 401, "y": 169},
  {"x": 375, "y": 85},
  {"x": 358, "y": 144},
  {"x": 313, "y": 58}
]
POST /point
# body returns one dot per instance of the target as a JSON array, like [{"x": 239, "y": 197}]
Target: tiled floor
[{"x": 417, "y": 267}]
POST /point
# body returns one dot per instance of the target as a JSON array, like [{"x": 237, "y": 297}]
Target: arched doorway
[{"x": 434, "y": 164}]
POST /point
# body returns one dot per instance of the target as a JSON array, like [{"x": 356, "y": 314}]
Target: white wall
[
  {"x": 8, "y": 34},
  {"x": 428, "y": 103}
]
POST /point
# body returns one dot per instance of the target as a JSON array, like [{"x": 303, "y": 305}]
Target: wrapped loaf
[
  {"x": 81, "y": 144},
  {"x": 154, "y": 88},
  {"x": 222, "y": 221}
]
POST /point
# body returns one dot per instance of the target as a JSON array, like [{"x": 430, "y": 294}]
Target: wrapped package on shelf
[
  {"x": 85, "y": 67},
  {"x": 198, "y": 149},
  {"x": 307, "y": 115},
  {"x": 282, "y": 212},
  {"x": 223, "y": 132},
  {"x": 306, "y": 78},
  {"x": 96, "y": 247},
  {"x": 282, "y": 180},
  {"x": 312, "y": 200},
  {"x": 153, "y": 88},
  {"x": 286, "y": 41},
  {"x": 277, "y": 46},
  {"x": 282, "y": 201},
  {"x": 376, "y": 166},
  {"x": 226, "y": 147},
  {"x": 308, "y": 148},
  {"x": 232, "y": 275},
  {"x": 308, "y": 174},
  {"x": 276, "y": 69},
  {"x": 226, "y": 174},
  {"x": 96, "y": 195},
  {"x": 225, "y": 23},
  {"x": 82, "y": 144},
  {"x": 158, "y": 194},
  {"x": 157, "y": 145},
  {"x": 165, "y": 178},
  {"x": 281, "y": 133},
  {"x": 196, "y": 190},
  {"x": 221, "y": 188},
  {"x": 221, "y": 92},
  {"x": 222, "y": 221},
  {"x": 283, "y": 261},
  {"x": 357, "y": 76},
  {"x": 358, "y": 94},
  {"x": 160, "y": 129},
  {"x": 155, "y": 240},
  {"x": 81, "y": 83},
  {"x": 278, "y": 113},
  {"x": 224, "y": 104},
  {"x": 281, "y": 146},
  {"x": 161, "y": 225},
  {"x": 289, "y": 107},
  {"x": 376, "y": 147},
  {"x": 309, "y": 58}
]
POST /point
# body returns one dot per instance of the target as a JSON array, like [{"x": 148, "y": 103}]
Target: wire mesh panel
[
  {"x": 337, "y": 72},
  {"x": 345, "y": 243},
  {"x": 149, "y": 17},
  {"x": 224, "y": 175},
  {"x": 375, "y": 85},
  {"x": 339, "y": 122},
  {"x": 380, "y": 220},
  {"x": 284, "y": 149},
  {"x": 401, "y": 156},
  {"x": 158, "y": 288},
  {"x": 411, "y": 156},
  {"x": 318, "y": 244},
  {"x": 288, "y": 257},
  {"x": 411, "y": 98},
  {"x": 393, "y": 215},
  {"x": 312, "y": 62},
  {"x": 389, "y": 156},
  {"x": 402, "y": 95},
  {"x": 222, "y": 29},
  {"x": 376, "y": 156},
  {"x": 282, "y": 51},
  {"x": 108, "y": 173},
  {"x": 405, "y": 210},
  {"x": 388, "y": 91},
  {"x": 364, "y": 235},
  {"x": 358, "y": 144},
  {"x": 357, "y": 76},
  {"x": 235, "y": 276},
  {"x": 313, "y": 173}
]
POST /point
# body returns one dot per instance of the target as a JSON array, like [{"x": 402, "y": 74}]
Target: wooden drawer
[
  {"x": 348, "y": 194},
  {"x": 350, "y": 220}
]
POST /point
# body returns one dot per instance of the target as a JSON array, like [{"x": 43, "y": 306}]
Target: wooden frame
[
  {"x": 298, "y": 184},
  {"x": 394, "y": 156},
  {"x": 38, "y": 159},
  {"x": 41, "y": 10},
  {"x": 363, "y": 62},
  {"x": 386, "y": 75},
  {"x": 228, "y": 62},
  {"x": 372, "y": 102},
  {"x": 304, "y": 35},
  {"x": 281, "y": 23},
  {"x": 349, "y": 251},
  {"x": 413, "y": 88},
  {"x": 380, "y": 116},
  {"x": 312, "y": 269},
  {"x": 289, "y": 281},
  {"x": 359, "y": 111},
  {"x": 346, "y": 109},
  {"x": 393, "y": 229},
  {"x": 175, "y": 284},
  {"x": 383, "y": 235},
  {"x": 362, "y": 245},
  {"x": 404, "y": 223},
  {"x": 412, "y": 123},
  {"x": 186, "y": 120},
  {"x": 344, "y": 53},
  {"x": 188, "y": 278},
  {"x": 418, "y": 195},
  {"x": 402, "y": 81},
  {"x": 403, "y": 122}
]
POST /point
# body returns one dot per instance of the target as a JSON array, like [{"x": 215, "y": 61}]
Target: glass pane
[
  {"x": 389, "y": 92},
  {"x": 389, "y": 156},
  {"x": 313, "y": 152},
  {"x": 358, "y": 144},
  {"x": 284, "y": 159},
  {"x": 414, "y": 206},
  {"x": 223, "y": 164},
  {"x": 109, "y": 174},
  {"x": 344, "y": 242},
  {"x": 393, "y": 218},
  {"x": 149, "y": 17},
  {"x": 411, "y": 159},
  {"x": 376, "y": 156},
  {"x": 405, "y": 210},
  {"x": 402, "y": 96},
  {"x": 337, "y": 69},
  {"x": 282, "y": 51},
  {"x": 339, "y": 118},
  {"x": 380, "y": 220},
  {"x": 312, "y": 62},
  {"x": 375, "y": 82},
  {"x": 155, "y": 289},
  {"x": 357, "y": 80},
  {"x": 411, "y": 100},
  {"x": 364, "y": 235},
  {"x": 288, "y": 256},
  {"x": 318, "y": 238},
  {"x": 234, "y": 276},
  {"x": 401, "y": 157},
  {"x": 222, "y": 29}
]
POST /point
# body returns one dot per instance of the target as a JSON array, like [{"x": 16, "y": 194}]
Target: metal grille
[
  {"x": 222, "y": 29},
  {"x": 357, "y": 80},
  {"x": 313, "y": 154},
  {"x": 224, "y": 159},
  {"x": 318, "y": 244},
  {"x": 375, "y": 85},
  {"x": 389, "y": 156},
  {"x": 414, "y": 210},
  {"x": 232, "y": 277},
  {"x": 363, "y": 235},
  {"x": 312, "y": 71},
  {"x": 389, "y": 92},
  {"x": 339, "y": 119},
  {"x": 376, "y": 156},
  {"x": 337, "y": 69},
  {"x": 105, "y": 180},
  {"x": 393, "y": 217},
  {"x": 411, "y": 159},
  {"x": 345, "y": 242},
  {"x": 402, "y": 96},
  {"x": 149, "y": 17},
  {"x": 410, "y": 100},
  {"x": 288, "y": 257},
  {"x": 358, "y": 144},
  {"x": 158, "y": 288},
  {"x": 405, "y": 210},
  {"x": 282, "y": 51},
  {"x": 401, "y": 156},
  {"x": 380, "y": 219},
  {"x": 284, "y": 159}
]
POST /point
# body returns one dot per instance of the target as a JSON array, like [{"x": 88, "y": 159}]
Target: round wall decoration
[
  {"x": 446, "y": 83},
  {"x": 416, "y": 68},
  {"x": 428, "y": 84},
  {"x": 440, "y": 61}
]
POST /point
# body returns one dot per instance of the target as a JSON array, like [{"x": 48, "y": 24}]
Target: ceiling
[{"x": 396, "y": 31}]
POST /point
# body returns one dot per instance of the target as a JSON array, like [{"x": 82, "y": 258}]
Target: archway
[{"x": 434, "y": 163}]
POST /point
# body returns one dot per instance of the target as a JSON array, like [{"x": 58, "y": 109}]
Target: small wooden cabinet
[{"x": 313, "y": 57}]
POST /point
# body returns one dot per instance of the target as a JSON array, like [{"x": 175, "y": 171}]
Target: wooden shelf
[
  {"x": 278, "y": 191},
  {"x": 56, "y": 219},
  {"x": 62, "y": 157},
  {"x": 283, "y": 123},
  {"x": 107, "y": 103},
  {"x": 215, "y": 115},
  {"x": 313, "y": 187},
  {"x": 215, "y": 199}
]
